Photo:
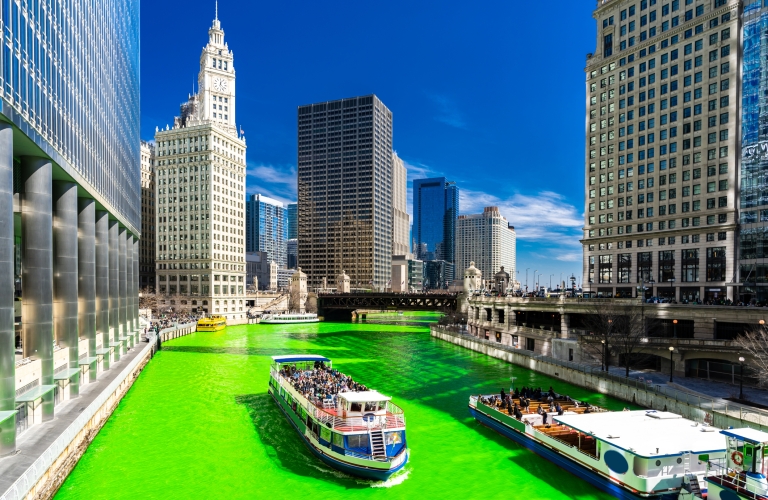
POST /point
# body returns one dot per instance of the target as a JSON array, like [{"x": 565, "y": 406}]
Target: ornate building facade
[
  {"x": 147, "y": 243},
  {"x": 200, "y": 193}
]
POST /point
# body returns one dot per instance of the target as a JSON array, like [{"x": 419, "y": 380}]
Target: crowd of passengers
[
  {"x": 525, "y": 395},
  {"x": 320, "y": 382}
]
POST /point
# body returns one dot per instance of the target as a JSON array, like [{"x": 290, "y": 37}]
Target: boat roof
[
  {"x": 296, "y": 358},
  {"x": 746, "y": 434},
  {"x": 647, "y": 433},
  {"x": 363, "y": 396}
]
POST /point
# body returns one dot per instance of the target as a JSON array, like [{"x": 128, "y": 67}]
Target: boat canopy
[
  {"x": 645, "y": 434},
  {"x": 753, "y": 436},
  {"x": 363, "y": 396},
  {"x": 298, "y": 358}
]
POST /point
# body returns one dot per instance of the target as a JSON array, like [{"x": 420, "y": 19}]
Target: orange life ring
[{"x": 737, "y": 457}]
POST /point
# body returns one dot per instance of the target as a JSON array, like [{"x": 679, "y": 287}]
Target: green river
[{"x": 198, "y": 422}]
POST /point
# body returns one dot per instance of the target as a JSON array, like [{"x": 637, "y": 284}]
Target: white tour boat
[
  {"x": 741, "y": 474},
  {"x": 630, "y": 454},
  {"x": 288, "y": 318}
]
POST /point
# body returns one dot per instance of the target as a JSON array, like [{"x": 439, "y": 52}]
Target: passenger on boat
[
  {"x": 518, "y": 413},
  {"x": 559, "y": 409}
]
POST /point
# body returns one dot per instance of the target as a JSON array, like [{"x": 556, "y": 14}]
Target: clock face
[{"x": 219, "y": 84}]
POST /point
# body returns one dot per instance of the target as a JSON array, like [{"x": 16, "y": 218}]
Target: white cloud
[
  {"x": 448, "y": 112},
  {"x": 276, "y": 181}
]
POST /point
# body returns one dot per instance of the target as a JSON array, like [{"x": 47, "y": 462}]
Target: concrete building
[
  {"x": 259, "y": 266},
  {"x": 407, "y": 273},
  {"x": 400, "y": 219},
  {"x": 293, "y": 221},
  {"x": 345, "y": 197},
  {"x": 70, "y": 202},
  {"x": 147, "y": 243},
  {"x": 663, "y": 154},
  {"x": 488, "y": 240},
  {"x": 284, "y": 278},
  {"x": 266, "y": 228},
  {"x": 201, "y": 194},
  {"x": 435, "y": 208}
]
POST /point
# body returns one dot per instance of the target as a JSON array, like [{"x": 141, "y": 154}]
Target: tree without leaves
[
  {"x": 294, "y": 300},
  {"x": 755, "y": 343},
  {"x": 148, "y": 300}
]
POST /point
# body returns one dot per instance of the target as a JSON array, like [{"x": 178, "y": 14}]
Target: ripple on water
[{"x": 198, "y": 422}]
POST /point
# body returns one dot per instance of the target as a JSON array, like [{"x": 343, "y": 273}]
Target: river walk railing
[
  {"x": 176, "y": 331},
  {"x": 745, "y": 413}
]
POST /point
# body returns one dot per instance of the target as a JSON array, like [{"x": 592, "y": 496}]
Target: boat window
[
  {"x": 357, "y": 441},
  {"x": 370, "y": 406},
  {"x": 355, "y": 407},
  {"x": 338, "y": 440}
]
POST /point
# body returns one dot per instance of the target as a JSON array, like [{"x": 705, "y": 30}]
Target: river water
[{"x": 198, "y": 422}]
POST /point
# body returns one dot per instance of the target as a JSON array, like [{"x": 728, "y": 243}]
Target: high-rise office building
[
  {"x": 345, "y": 191},
  {"x": 400, "y": 218},
  {"x": 70, "y": 199},
  {"x": 147, "y": 242},
  {"x": 292, "y": 253},
  {"x": 435, "y": 208},
  {"x": 663, "y": 148},
  {"x": 201, "y": 194},
  {"x": 293, "y": 221},
  {"x": 488, "y": 240},
  {"x": 266, "y": 228}
]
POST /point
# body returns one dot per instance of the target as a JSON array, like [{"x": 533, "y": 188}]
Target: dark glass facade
[
  {"x": 435, "y": 208},
  {"x": 69, "y": 80}
]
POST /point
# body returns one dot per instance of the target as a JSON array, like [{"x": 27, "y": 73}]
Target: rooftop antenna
[{"x": 217, "y": 10}]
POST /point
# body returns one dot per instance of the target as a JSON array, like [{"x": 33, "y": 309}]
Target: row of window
[{"x": 690, "y": 261}]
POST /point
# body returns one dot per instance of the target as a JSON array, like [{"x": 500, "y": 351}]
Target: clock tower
[{"x": 217, "y": 79}]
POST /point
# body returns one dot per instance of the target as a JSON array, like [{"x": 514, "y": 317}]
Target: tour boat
[
  {"x": 211, "y": 324},
  {"x": 287, "y": 318},
  {"x": 359, "y": 433},
  {"x": 629, "y": 454},
  {"x": 741, "y": 474}
]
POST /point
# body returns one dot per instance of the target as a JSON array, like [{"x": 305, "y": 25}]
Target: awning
[
  {"x": 122, "y": 339},
  {"x": 102, "y": 352},
  {"x": 88, "y": 361},
  {"x": 66, "y": 374},
  {"x": 35, "y": 394},
  {"x": 115, "y": 344},
  {"x": 296, "y": 358},
  {"x": 7, "y": 415}
]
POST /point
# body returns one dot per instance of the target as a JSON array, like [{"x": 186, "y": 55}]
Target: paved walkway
[
  {"x": 711, "y": 388},
  {"x": 33, "y": 442}
]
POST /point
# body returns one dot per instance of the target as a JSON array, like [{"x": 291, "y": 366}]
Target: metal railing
[
  {"x": 742, "y": 412},
  {"x": 721, "y": 475}
]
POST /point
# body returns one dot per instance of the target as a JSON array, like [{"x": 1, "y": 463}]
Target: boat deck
[
  {"x": 736, "y": 484},
  {"x": 348, "y": 424}
]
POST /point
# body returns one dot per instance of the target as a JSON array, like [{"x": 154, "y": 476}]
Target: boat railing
[
  {"x": 314, "y": 406},
  {"x": 719, "y": 473}
]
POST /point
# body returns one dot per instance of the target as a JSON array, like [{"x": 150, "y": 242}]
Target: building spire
[{"x": 217, "y": 10}]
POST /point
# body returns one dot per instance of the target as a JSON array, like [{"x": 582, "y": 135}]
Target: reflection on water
[{"x": 198, "y": 423}]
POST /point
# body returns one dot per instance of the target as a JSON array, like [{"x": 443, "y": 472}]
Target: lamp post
[
  {"x": 605, "y": 345},
  {"x": 671, "y": 363},
  {"x": 672, "y": 288},
  {"x": 602, "y": 358},
  {"x": 741, "y": 377},
  {"x": 526, "y": 279},
  {"x": 674, "y": 324}
]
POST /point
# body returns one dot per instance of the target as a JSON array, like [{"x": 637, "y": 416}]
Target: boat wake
[{"x": 395, "y": 479}]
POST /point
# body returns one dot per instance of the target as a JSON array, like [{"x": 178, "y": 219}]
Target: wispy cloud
[
  {"x": 275, "y": 181},
  {"x": 448, "y": 112}
]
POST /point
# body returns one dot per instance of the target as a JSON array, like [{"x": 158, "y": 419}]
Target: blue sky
[{"x": 488, "y": 94}]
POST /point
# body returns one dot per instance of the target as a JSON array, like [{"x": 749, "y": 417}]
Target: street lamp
[
  {"x": 602, "y": 364},
  {"x": 526, "y": 279},
  {"x": 674, "y": 323},
  {"x": 741, "y": 377},
  {"x": 672, "y": 288},
  {"x": 671, "y": 363},
  {"x": 762, "y": 322}
]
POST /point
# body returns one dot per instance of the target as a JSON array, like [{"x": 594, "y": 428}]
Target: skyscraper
[
  {"x": 293, "y": 221},
  {"x": 400, "y": 218},
  {"x": 663, "y": 149},
  {"x": 201, "y": 194},
  {"x": 488, "y": 240},
  {"x": 266, "y": 228},
  {"x": 69, "y": 169},
  {"x": 148, "y": 205},
  {"x": 435, "y": 208},
  {"x": 345, "y": 191}
]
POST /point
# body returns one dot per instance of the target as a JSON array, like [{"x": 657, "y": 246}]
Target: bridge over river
[{"x": 341, "y": 305}]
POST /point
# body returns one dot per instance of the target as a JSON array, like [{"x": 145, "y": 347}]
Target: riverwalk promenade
[{"x": 47, "y": 453}]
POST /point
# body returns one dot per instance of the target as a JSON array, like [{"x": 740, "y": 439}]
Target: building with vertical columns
[
  {"x": 293, "y": 221},
  {"x": 147, "y": 243},
  {"x": 488, "y": 240},
  {"x": 400, "y": 218},
  {"x": 62, "y": 180},
  {"x": 200, "y": 195},
  {"x": 266, "y": 228},
  {"x": 664, "y": 150},
  {"x": 345, "y": 191}
]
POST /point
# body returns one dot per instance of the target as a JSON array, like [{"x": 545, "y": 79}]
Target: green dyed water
[{"x": 198, "y": 422}]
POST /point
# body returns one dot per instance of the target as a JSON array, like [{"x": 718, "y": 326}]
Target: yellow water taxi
[{"x": 211, "y": 324}]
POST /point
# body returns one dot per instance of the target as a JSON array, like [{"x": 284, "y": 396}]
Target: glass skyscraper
[
  {"x": 266, "y": 228},
  {"x": 293, "y": 221},
  {"x": 435, "y": 208},
  {"x": 70, "y": 170}
]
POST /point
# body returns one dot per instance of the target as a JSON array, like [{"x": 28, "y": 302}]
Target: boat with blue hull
[
  {"x": 347, "y": 426},
  {"x": 629, "y": 454}
]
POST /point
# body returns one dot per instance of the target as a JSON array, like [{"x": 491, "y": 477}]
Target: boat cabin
[
  {"x": 744, "y": 468},
  {"x": 360, "y": 404}
]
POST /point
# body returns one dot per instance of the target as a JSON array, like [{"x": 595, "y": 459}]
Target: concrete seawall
[
  {"x": 45, "y": 476},
  {"x": 704, "y": 410}
]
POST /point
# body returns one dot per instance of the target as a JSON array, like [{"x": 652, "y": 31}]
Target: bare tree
[
  {"x": 148, "y": 299},
  {"x": 294, "y": 299},
  {"x": 310, "y": 305},
  {"x": 755, "y": 343},
  {"x": 619, "y": 327}
]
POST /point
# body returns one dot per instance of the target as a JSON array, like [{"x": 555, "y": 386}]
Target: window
[{"x": 690, "y": 265}]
